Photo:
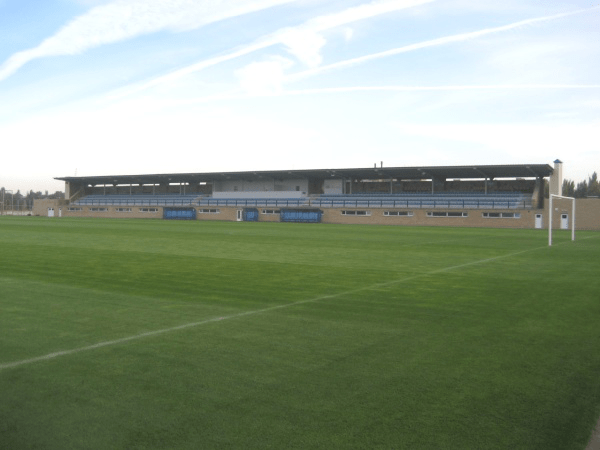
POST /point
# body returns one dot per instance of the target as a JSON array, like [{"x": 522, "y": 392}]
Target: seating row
[
  {"x": 428, "y": 195},
  {"x": 325, "y": 201}
]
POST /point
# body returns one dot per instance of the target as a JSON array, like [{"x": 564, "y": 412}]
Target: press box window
[
  {"x": 447, "y": 214},
  {"x": 356, "y": 213},
  {"x": 501, "y": 215},
  {"x": 398, "y": 213}
]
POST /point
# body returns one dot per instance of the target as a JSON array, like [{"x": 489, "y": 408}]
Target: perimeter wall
[{"x": 587, "y": 214}]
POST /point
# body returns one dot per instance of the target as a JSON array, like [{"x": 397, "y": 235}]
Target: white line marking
[{"x": 22, "y": 362}]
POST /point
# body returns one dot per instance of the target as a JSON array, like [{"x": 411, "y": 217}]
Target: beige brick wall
[
  {"x": 223, "y": 214},
  {"x": 40, "y": 207},
  {"x": 587, "y": 215},
  {"x": 420, "y": 218},
  {"x": 112, "y": 212}
]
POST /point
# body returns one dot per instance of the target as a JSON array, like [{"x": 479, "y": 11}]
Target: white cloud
[
  {"x": 124, "y": 19},
  {"x": 305, "y": 45},
  {"x": 306, "y": 53},
  {"x": 361, "y": 12},
  {"x": 263, "y": 78},
  {"x": 429, "y": 43},
  {"x": 305, "y": 41}
]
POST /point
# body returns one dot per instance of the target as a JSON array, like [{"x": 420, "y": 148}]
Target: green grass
[{"x": 305, "y": 336}]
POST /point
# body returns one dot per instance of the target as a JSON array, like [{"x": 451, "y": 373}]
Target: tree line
[
  {"x": 18, "y": 201},
  {"x": 582, "y": 189}
]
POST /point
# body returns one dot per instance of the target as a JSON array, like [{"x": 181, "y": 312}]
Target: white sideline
[{"x": 22, "y": 362}]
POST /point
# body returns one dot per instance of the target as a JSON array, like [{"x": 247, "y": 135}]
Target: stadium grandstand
[{"x": 480, "y": 195}]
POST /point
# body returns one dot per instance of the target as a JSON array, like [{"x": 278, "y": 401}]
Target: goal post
[{"x": 550, "y": 214}]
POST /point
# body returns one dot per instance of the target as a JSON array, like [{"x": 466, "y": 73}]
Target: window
[
  {"x": 270, "y": 211},
  {"x": 355, "y": 213},
  {"x": 72, "y": 208},
  {"x": 446, "y": 214},
  {"x": 503, "y": 215},
  {"x": 149, "y": 210},
  {"x": 398, "y": 213},
  {"x": 98, "y": 209},
  {"x": 123, "y": 210},
  {"x": 209, "y": 211}
]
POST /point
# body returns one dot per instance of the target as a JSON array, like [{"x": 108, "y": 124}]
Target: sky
[{"x": 115, "y": 87}]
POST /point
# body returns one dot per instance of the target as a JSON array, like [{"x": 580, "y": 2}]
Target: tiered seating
[
  {"x": 442, "y": 200},
  {"x": 255, "y": 202},
  {"x": 447, "y": 200},
  {"x": 139, "y": 200}
]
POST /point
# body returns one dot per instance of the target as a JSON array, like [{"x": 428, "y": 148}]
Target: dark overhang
[{"x": 375, "y": 173}]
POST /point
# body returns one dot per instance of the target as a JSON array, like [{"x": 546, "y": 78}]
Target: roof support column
[{"x": 436, "y": 183}]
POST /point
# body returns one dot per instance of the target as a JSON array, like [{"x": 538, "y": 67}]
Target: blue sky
[{"x": 99, "y": 87}]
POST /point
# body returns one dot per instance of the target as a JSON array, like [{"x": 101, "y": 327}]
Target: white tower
[{"x": 556, "y": 179}]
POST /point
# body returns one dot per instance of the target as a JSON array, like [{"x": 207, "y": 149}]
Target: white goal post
[{"x": 551, "y": 210}]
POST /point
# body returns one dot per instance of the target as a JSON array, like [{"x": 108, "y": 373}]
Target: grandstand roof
[{"x": 374, "y": 173}]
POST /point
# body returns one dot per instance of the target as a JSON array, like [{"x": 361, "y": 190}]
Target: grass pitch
[{"x": 157, "y": 334}]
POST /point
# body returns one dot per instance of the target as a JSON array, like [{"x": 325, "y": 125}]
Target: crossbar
[{"x": 552, "y": 196}]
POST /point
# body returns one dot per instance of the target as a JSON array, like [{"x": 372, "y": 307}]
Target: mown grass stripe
[
  {"x": 248, "y": 313},
  {"x": 469, "y": 354}
]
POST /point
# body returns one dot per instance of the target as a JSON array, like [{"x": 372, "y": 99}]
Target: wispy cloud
[
  {"x": 263, "y": 78},
  {"x": 429, "y": 43},
  {"x": 124, "y": 19},
  {"x": 303, "y": 41},
  {"x": 357, "y": 13}
]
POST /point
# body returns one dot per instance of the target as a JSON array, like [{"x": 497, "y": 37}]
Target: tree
[
  {"x": 581, "y": 190},
  {"x": 568, "y": 188},
  {"x": 593, "y": 186}
]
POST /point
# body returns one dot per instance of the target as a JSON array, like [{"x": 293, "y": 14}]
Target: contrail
[
  {"x": 320, "y": 24},
  {"x": 121, "y": 20},
  {"x": 317, "y": 24},
  {"x": 429, "y": 43}
]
